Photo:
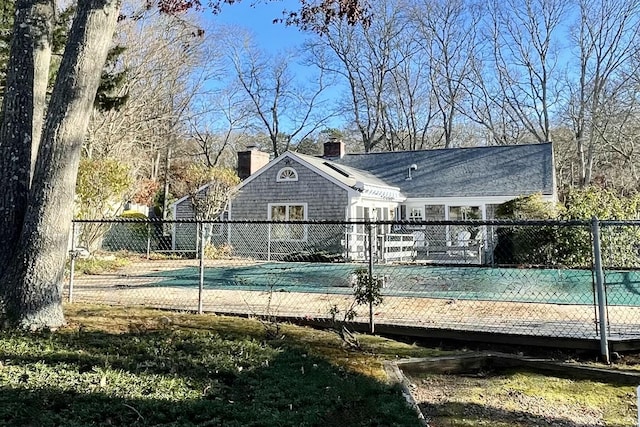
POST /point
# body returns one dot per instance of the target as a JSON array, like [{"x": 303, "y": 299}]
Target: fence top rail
[
  {"x": 619, "y": 222},
  {"x": 493, "y": 222}
]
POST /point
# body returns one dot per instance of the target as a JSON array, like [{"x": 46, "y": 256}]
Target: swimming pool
[{"x": 558, "y": 286}]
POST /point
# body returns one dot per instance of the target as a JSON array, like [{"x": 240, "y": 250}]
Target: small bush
[
  {"x": 212, "y": 251},
  {"x": 619, "y": 244},
  {"x": 94, "y": 265},
  {"x": 529, "y": 207},
  {"x": 101, "y": 188},
  {"x": 131, "y": 236}
]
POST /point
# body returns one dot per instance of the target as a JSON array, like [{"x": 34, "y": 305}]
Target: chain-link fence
[{"x": 511, "y": 277}]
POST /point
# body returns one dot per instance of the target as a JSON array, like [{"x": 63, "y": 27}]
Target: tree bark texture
[
  {"x": 35, "y": 272},
  {"x": 23, "y": 106}
]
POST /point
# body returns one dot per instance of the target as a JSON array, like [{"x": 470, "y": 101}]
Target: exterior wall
[
  {"x": 324, "y": 200},
  {"x": 184, "y": 236},
  {"x": 437, "y": 237},
  {"x": 491, "y": 211},
  {"x": 484, "y": 203},
  {"x": 183, "y": 210}
]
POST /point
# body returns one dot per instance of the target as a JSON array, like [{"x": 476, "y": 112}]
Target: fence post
[
  {"x": 200, "y": 228},
  {"x": 72, "y": 261},
  {"x": 269, "y": 241},
  {"x": 600, "y": 291},
  {"x": 348, "y": 230},
  {"x": 148, "y": 240},
  {"x": 370, "y": 281}
]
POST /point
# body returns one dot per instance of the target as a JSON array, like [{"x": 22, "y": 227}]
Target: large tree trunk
[
  {"x": 35, "y": 272},
  {"x": 41, "y": 63},
  {"x": 23, "y": 107}
]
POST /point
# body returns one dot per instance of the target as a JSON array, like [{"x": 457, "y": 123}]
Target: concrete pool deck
[{"x": 171, "y": 285}]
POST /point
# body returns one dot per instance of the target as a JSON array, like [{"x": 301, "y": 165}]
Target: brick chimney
[
  {"x": 250, "y": 161},
  {"x": 334, "y": 148}
]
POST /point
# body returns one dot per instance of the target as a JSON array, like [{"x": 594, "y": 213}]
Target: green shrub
[
  {"x": 569, "y": 246},
  {"x": 130, "y": 236},
  {"x": 619, "y": 244},
  {"x": 529, "y": 207},
  {"x": 101, "y": 188},
  {"x": 526, "y": 244}
]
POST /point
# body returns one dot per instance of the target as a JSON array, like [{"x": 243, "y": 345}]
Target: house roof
[
  {"x": 360, "y": 180},
  {"x": 344, "y": 173},
  {"x": 348, "y": 177},
  {"x": 512, "y": 170}
]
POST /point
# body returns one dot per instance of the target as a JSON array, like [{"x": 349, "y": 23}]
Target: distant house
[{"x": 443, "y": 184}]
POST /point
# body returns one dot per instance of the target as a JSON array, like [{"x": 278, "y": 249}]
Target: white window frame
[
  {"x": 285, "y": 176},
  {"x": 287, "y": 227},
  {"x": 464, "y": 211},
  {"x": 411, "y": 213}
]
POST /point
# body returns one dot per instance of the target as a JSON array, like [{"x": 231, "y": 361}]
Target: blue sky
[{"x": 259, "y": 19}]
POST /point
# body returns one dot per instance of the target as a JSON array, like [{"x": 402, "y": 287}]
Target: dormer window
[{"x": 287, "y": 174}]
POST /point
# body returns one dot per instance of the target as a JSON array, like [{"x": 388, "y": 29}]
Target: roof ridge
[{"x": 452, "y": 149}]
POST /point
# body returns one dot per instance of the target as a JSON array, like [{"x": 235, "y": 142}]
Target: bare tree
[
  {"x": 513, "y": 89},
  {"x": 607, "y": 42},
  {"x": 219, "y": 124},
  {"x": 408, "y": 111},
  {"x": 364, "y": 57},
  {"x": 285, "y": 109},
  {"x": 168, "y": 62},
  {"x": 448, "y": 34},
  {"x": 210, "y": 190}
]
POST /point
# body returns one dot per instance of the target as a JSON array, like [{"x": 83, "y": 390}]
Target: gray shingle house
[{"x": 443, "y": 184}]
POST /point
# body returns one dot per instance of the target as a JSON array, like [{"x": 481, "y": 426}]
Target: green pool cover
[{"x": 558, "y": 286}]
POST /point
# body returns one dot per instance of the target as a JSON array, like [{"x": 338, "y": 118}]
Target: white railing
[{"x": 398, "y": 247}]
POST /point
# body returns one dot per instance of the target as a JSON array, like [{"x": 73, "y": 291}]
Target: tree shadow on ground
[{"x": 183, "y": 377}]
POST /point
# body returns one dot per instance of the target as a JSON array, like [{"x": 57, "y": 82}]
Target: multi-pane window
[
  {"x": 464, "y": 212},
  {"x": 288, "y": 212},
  {"x": 416, "y": 214}
]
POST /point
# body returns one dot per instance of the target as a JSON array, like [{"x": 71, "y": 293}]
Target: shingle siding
[
  {"x": 185, "y": 235},
  {"x": 184, "y": 210},
  {"x": 325, "y": 200}
]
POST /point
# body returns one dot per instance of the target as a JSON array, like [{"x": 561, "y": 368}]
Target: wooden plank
[{"x": 469, "y": 363}]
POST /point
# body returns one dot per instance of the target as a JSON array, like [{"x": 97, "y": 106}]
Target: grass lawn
[{"x": 138, "y": 367}]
